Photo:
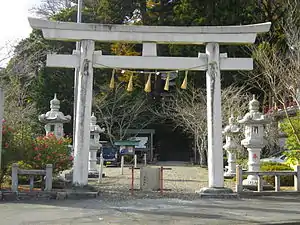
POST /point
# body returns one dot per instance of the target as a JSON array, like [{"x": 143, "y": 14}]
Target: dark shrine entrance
[{"x": 170, "y": 144}]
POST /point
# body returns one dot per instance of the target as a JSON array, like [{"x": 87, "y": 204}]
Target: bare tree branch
[
  {"x": 277, "y": 73},
  {"x": 188, "y": 110},
  {"x": 119, "y": 111},
  {"x": 48, "y": 8}
]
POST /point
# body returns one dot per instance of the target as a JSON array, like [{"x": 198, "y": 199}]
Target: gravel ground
[{"x": 180, "y": 182}]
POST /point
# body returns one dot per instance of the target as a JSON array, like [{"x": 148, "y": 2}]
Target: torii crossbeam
[{"x": 212, "y": 62}]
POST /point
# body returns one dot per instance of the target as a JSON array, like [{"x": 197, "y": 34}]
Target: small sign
[
  {"x": 142, "y": 142},
  {"x": 127, "y": 150}
]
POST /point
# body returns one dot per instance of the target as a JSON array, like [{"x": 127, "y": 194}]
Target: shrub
[
  {"x": 291, "y": 127},
  {"x": 50, "y": 150},
  {"x": 9, "y": 153},
  {"x": 243, "y": 163},
  {"x": 128, "y": 158},
  {"x": 284, "y": 180},
  {"x": 293, "y": 157},
  {"x": 23, "y": 179},
  {"x": 16, "y": 145}
]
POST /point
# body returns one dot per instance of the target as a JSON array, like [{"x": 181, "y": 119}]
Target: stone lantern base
[
  {"x": 228, "y": 174},
  {"x": 251, "y": 184},
  {"x": 67, "y": 175}
]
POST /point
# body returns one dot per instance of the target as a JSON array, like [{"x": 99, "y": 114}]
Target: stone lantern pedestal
[
  {"x": 231, "y": 131},
  {"x": 95, "y": 146},
  {"x": 254, "y": 122}
]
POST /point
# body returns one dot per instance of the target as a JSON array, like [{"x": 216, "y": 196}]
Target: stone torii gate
[{"x": 87, "y": 58}]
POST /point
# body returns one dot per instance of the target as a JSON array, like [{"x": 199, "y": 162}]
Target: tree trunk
[
  {"x": 204, "y": 152},
  {"x": 201, "y": 149}
]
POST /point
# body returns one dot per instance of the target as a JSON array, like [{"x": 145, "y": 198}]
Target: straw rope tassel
[
  {"x": 112, "y": 80},
  {"x": 148, "y": 84},
  {"x": 184, "y": 83},
  {"x": 130, "y": 83},
  {"x": 167, "y": 83}
]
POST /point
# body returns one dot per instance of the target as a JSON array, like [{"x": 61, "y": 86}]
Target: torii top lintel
[{"x": 67, "y": 31}]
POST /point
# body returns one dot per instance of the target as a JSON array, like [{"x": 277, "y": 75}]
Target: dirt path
[{"x": 180, "y": 180}]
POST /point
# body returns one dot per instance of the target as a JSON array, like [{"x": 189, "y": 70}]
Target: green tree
[{"x": 292, "y": 141}]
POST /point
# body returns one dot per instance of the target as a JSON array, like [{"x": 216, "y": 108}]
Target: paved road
[{"x": 150, "y": 211}]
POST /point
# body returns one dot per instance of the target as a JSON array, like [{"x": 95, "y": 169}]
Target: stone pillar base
[
  {"x": 66, "y": 175},
  {"x": 229, "y": 175},
  {"x": 251, "y": 184},
  {"x": 217, "y": 193},
  {"x": 95, "y": 174}
]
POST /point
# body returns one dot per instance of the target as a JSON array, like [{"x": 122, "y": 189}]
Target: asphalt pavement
[{"x": 264, "y": 210}]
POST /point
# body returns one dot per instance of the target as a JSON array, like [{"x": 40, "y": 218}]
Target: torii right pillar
[{"x": 214, "y": 124}]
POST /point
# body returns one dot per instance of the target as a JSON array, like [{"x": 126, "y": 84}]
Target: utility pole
[{"x": 79, "y": 18}]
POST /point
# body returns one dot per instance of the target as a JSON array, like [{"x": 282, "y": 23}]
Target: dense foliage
[
  {"x": 50, "y": 150},
  {"x": 284, "y": 180},
  {"x": 291, "y": 127},
  {"x": 35, "y": 153}
]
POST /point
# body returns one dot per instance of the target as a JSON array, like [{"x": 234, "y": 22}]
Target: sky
[{"x": 14, "y": 24}]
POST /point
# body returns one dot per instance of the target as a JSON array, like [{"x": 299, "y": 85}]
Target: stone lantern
[
  {"x": 95, "y": 144},
  {"x": 54, "y": 119},
  {"x": 231, "y": 131},
  {"x": 254, "y": 122}
]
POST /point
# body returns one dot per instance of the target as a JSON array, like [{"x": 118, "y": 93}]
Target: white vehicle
[{"x": 277, "y": 158}]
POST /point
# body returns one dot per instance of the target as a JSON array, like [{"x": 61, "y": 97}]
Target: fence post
[
  {"x": 145, "y": 159},
  {"x": 277, "y": 183},
  {"x": 161, "y": 179},
  {"x": 31, "y": 183},
  {"x": 48, "y": 182},
  {"x": 122, "y": 164},
  {"x": 100, "y": 168},
  {"x": 135, "y": 161},
  {"x": 297, "y": 178},
  {"x": 239, "y": 179},
  {"x": 132, "y": 179},
  {"x": 260, "y": 186},
  {"x": 14, "y": 177}
]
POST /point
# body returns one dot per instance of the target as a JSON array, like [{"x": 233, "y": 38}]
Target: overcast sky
[{"x": 13, "y": 21}]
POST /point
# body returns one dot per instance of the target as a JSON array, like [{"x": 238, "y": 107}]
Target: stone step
[
  {"x": 219, "y": 196},
  {"x": 58, "y": 195}
]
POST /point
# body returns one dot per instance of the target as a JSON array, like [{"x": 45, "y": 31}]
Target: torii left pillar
[
  {"x": 83, "y": 114},
  {"x": 214, "y": 117}
]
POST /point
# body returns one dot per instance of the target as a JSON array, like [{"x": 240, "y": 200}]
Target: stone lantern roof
[
  {"x": 54, "y": 115},
  {"x": 93, "y": 125},
  {"x": 254, "y": 116},
  {"x": 231, "y": 128}
]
